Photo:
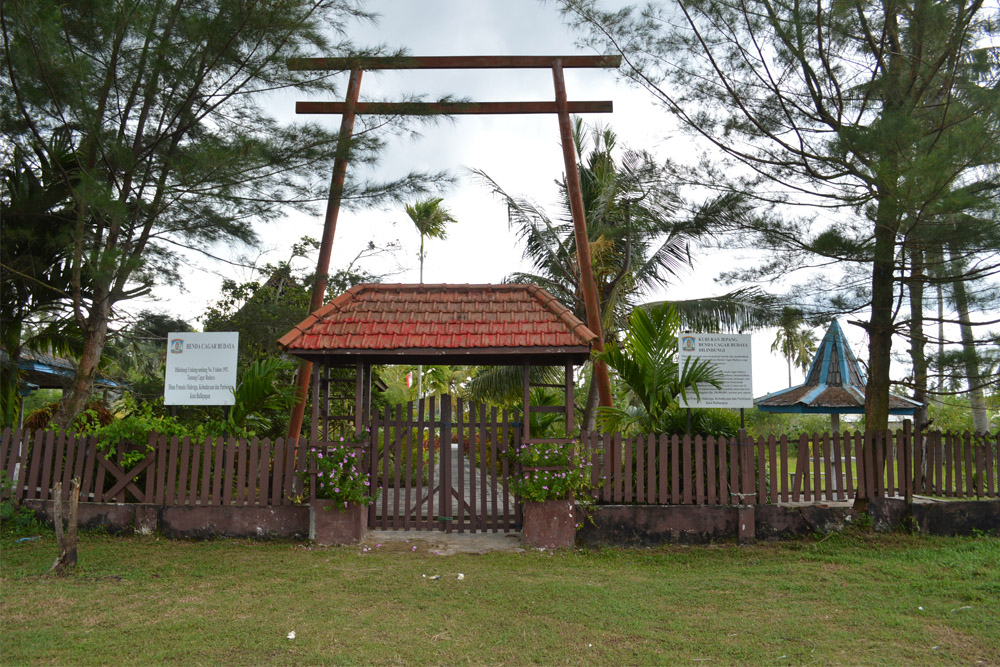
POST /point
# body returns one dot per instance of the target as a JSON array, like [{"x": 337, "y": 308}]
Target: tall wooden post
[
  {"x": 326, "y": 244},
  {"x": 587, "y": 282}
]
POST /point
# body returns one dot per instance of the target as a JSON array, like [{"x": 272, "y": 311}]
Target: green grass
[{"x": 845, "y": 599}]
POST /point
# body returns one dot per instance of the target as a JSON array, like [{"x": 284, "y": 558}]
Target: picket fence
[
  {"x": 651, "y": 469},
  {"x": 169, "y": 472},
  {"x": 685, "y": 470}
]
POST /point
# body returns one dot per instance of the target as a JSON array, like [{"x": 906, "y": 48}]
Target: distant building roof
[
  {"x": 46, "y": 371},
  {"x": 486, "y": 324},
  {"x": 834, "y": 384}
]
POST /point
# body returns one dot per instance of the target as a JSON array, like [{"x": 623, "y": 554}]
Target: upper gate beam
[
  {"x": 452, "y": 108},
  {"x": 452, "y": 62}
]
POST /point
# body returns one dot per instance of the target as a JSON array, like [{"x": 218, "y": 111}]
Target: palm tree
[
  {"x": 431, "y": 220},
  {"x": 646, "y": 362},
  {"x": 796, "y": 344},
  {"x": 638, "y": 238}
]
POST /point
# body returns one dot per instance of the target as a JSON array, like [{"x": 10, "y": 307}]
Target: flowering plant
[
  {"x": 551, "y": 471},
  {"x": 338, "y": 475}
]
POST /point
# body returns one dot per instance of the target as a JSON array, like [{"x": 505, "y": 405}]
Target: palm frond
[{"x": 744, "y": 309}]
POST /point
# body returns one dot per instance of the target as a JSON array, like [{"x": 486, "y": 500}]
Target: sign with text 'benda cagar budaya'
[
  {"x": 730, "y": 353},
  {"x": 201, "y": 368}
]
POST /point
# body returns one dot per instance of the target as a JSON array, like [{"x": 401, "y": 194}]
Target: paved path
[{"x": 469, "y": 471}]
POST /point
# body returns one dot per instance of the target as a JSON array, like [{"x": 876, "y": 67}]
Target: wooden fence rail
[
  {"x": 685, "y": 470},
  {"x": 647, "y": 469},
  {"x": 164, "y": 471}
]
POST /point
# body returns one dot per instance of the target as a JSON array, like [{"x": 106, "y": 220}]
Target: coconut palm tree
[
  {"x": 795, "y": 343},
  {"x": 431, "y": 220},
  {"x": 639, "y": 238}
]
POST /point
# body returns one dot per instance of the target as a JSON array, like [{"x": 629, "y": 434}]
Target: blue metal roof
[{"x": 834, "y": 384}]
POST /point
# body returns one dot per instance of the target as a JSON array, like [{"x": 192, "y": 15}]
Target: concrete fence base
[
  {"x": 647, "y": 525},
  {"x": 622, "y": 525},
  {"x": 194, "y": 522}
]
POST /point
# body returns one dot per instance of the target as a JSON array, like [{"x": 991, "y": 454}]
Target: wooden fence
[
  {"x": 660, "y": 469},
  {"x": 654, "y": 469},
  {"x": 169, "y": 472}
]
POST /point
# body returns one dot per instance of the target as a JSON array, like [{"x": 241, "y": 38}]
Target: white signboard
[
  {"x": 731, "y": 355},
  {"x": 201, "y": 368}
]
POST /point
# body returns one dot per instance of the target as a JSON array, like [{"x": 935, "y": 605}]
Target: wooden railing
[
  {"x": 164, "y": 471},
  {"x": 648, "y": 469},
  {"x": 685, "y": 470}
]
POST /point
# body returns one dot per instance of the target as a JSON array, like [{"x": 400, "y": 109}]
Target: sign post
[
  {"x": 730, "y": 353},
  {"x": 201, "y": 368}
]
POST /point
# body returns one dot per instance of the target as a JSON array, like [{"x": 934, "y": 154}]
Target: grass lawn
[{"x": 846, "y": 599}]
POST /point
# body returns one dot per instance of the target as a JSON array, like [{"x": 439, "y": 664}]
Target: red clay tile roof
[{"x": 382, "y": 318}]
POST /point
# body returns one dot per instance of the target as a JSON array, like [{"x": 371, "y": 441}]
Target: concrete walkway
[{"x": 442, "y": 544}]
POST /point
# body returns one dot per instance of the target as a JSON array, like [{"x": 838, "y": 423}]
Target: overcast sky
[{"x": 521, "y": 153}]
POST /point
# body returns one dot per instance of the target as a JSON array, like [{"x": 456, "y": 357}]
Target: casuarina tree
[
  {"x": 158, "y": 107},
  {"x": 873, "y": 114}
]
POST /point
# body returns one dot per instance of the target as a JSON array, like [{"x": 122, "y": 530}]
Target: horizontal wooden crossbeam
[
  {"x": 452, "y": 108},
  {"x": 451, "y": 62}
]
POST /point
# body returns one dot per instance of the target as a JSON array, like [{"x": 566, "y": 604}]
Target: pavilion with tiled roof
[
  {"x": 834, "y": 385},
  {"x": 500, "y": 325}
]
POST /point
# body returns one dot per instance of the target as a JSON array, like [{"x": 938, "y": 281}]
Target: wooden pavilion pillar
[{"x": 568, "y": 408}]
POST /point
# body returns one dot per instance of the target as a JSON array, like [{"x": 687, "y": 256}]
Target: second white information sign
[{"x": 731, "y": 355}]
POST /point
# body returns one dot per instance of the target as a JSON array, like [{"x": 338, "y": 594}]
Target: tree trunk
[
  {"x": 918, "y": 356},
  {"x": 95, "y": 337},
  {"x": 918, "y": 340},
  {"x": 881, "y": 327},
  {"x": 940, "y": 345},
  {"x": 589, "y": 420},
  {"x": 66, "y": 541},
  {"x": 980, "y": 417}
]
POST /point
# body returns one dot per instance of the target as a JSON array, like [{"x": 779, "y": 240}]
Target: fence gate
[{"x": 435, "y": 465}]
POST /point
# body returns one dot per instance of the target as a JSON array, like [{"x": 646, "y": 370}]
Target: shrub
[
  {"x": 551, "y": 472},
  {"x": 338, "y": 474}
]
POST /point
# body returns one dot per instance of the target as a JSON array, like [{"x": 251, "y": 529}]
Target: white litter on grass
[
  {"x": 461, "y": 576},
  {"x": 920, "y": 608},
  {"x": 291, "y": 635}
]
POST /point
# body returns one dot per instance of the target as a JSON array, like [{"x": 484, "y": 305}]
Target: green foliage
[
  {"x": 130, "y": 433},
  {"x": 339, "y": 477},
  {"x": 763, "y": 424},
  {"x": 565, "y": 472},
  {"x": 262, "y": 398},
  {"x": 952, "y": 414},
  {"x": 646, "y": 362},
  {"x": 15, "y": 519}
]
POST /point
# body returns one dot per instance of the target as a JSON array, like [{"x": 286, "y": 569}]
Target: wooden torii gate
[{"x": 351, "y": 106}]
